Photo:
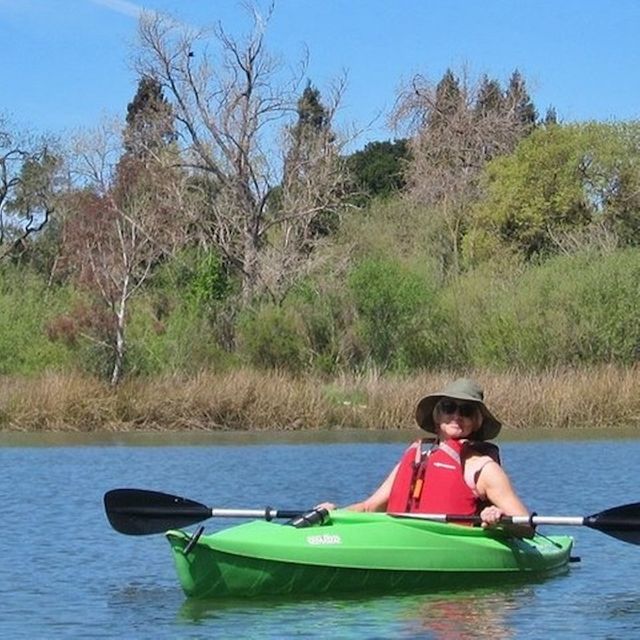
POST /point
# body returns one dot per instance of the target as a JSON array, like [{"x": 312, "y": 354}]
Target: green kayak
[{"x": 358, "y": 553}]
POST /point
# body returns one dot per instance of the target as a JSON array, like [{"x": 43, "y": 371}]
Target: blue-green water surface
[{"x": 66, "y": 574}]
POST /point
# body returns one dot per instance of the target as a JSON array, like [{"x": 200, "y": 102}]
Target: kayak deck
[{"x": 357, "y": 552}]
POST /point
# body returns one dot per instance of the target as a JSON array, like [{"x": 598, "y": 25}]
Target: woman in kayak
[{"x": 460, "y": 473}]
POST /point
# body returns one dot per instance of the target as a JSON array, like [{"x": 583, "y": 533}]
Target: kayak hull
[{"x": 358, "y": 553}]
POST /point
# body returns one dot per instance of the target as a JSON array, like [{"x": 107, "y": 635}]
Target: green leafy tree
[
  {"x": 561, "y": 180},
  {"x": 204, "y": 279},
  {"x": 30, "y": 181},
  {"x": 614, "y": 179},
  {"x": 271, "y": 338},
  {"x": 28, "y": 306},
  {"x": 379, "y": 168},
  {"x": 531, "y": 194},
  {"x": 396, "y": 313}
]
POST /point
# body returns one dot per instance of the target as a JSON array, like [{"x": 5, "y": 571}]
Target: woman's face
[{"x": 457, "y": 419}]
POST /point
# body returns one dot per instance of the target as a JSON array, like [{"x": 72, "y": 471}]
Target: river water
[{"x": 66, "y": 574}]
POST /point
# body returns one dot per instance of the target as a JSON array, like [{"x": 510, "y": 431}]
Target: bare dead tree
[
  {"x": 128, "y": 216},
  {"x": 230, "y": 97},
  {"x": 451, "y": 139},
  {"x": 307, "y": 206}
]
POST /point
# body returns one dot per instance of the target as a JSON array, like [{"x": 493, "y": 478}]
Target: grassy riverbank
[{"x": 250, "y": 400}]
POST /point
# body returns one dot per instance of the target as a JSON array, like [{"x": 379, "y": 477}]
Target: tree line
[{"x": 223, "y": 222}]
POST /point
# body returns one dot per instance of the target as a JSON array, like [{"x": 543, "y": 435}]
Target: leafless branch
[{"x": 231, "y": 97}]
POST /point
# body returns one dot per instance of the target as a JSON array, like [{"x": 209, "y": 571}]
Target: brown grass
[{"x": 251, "y": 400}]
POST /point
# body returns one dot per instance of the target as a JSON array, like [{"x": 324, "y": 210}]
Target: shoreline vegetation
[
  {"x": 194, "y": 268},
  {"x": 247, "y": 400}
]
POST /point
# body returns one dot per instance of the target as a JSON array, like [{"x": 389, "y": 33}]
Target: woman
[{"x": 461, "y": 473}]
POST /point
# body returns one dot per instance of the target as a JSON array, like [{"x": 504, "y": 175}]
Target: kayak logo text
[{"x": 325, "y": 538}]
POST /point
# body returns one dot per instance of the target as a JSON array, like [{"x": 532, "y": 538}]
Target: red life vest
[{"x": 434, "y": 482}]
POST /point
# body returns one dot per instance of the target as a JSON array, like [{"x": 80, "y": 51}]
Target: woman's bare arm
[{"x": 494, "y": 485}]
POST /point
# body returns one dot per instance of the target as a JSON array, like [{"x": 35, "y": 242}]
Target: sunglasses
[{"x": 465, "y": 409}]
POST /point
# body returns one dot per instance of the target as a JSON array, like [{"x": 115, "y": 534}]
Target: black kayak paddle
[{"x": 138, "y": 512}]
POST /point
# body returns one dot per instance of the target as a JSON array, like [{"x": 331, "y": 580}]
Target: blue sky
[{"x": 65, "y": 63}]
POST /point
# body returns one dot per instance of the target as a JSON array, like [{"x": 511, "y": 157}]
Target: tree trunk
[
  {"x": 250, "y": 267},
  {"x": 119, "y": 347}
]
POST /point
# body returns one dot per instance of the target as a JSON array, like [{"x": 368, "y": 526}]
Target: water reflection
[
  {"x": 469, "y": 615},
  {"x": 479, "y": 613}
]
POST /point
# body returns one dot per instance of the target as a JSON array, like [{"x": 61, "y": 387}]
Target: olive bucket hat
[{"x": 460, "y": 389}]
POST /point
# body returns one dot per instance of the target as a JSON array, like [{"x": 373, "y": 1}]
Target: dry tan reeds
[{"x": 249, "y": 400}]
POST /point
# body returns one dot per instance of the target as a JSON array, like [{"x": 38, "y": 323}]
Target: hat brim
[{"x": 489, "y": 429}]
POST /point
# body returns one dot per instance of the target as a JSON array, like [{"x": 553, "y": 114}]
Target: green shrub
[
  {"x": 182, "y": 342},
  {"x": 605, "y": 314},
  {"x": 272, "y": 337},
  {"x": 325, "y": 315},
  {"x": 580, "y": 309},
  {"x": 196, "y": 277},
  {"x": 28, "y": 309},
  {"x": 209, "y": 281},
  {"x": 398, "y": 316}
]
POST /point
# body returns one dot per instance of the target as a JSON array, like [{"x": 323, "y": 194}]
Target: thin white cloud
[{"x": 122, "y": 6}]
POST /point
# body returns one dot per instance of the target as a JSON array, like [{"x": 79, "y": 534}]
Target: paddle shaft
[
  {"x": 569, "y": 521},
  {"x": 621, "y": 522},
  {"x": 151, "y": 512}
]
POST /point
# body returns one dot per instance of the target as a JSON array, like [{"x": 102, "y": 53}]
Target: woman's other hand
[
  {"x": 491, "y": 516},
  {"x": 329, "y": 506}
]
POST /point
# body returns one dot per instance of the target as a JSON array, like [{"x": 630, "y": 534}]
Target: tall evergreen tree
[
  {"x": 448, "y": 101},
  {"x": 489, "y": 97},
  {"x": 456, "y": 129},
  {"x": 311, "y": 143},
  {"x": 308, "y": 209},
  {"x": 313, "y": 122},
  {"x": 311, "y": 112},
  {"x": 518, "y": 100},
  {"x": 551, "y": 117},
  {"x": 150, "y": 120}
]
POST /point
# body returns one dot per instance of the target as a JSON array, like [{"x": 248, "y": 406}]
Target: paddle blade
[
  {"x": 620, "y": 522},
  {"x": 139, "y": 512}
]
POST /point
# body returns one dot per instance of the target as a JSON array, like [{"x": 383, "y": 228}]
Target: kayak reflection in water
[
  {"x": 457, "y": 472},
  {"x": 460, "y": 616}
]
